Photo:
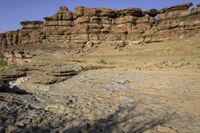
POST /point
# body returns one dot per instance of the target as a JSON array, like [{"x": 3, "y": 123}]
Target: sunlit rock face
[{"x": 103, "y": 24}]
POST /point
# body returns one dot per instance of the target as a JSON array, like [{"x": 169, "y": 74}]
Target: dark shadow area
[
  {"x": 35, "y": 129},
  {"x": 124, "y": 120},
  {"x": 7, "y": 77},
  {"x": 5, "y": 88}
]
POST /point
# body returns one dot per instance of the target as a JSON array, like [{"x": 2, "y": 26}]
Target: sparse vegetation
[
  {"x": 102, "y": 61},
  {"x": 2, "y": 62}
]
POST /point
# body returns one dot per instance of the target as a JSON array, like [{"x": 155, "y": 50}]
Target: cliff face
[{"x": 101, "y": 24}]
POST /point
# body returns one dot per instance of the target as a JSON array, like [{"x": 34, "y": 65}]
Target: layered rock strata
[{"x": 101, "y": 24}]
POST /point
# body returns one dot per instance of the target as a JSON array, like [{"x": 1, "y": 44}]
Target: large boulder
[
  {"x": 175, "y": 12},
  {"x": 152, "y": 12},
  {"x": 137, "y": 12},
  {"x": 84, "y": 11},
  {"x": 176, "y": 8}
]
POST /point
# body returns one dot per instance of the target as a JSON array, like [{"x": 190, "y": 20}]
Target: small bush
[
  {"x": 2, "y": 63},
  {"x": 112, "y": 62}
]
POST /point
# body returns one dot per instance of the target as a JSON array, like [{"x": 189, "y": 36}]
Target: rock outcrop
[
  {"x": 16, "y": 57},
  {"x": 102, "y": 24}
]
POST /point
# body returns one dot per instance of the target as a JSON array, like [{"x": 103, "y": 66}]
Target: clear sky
[{"x": 12, "y": 12}]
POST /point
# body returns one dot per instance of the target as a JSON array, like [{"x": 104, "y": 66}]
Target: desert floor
[{"x": 151, "y": 88}]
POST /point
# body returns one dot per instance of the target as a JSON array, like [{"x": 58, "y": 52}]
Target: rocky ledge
[{"x": 132, "y": 25}]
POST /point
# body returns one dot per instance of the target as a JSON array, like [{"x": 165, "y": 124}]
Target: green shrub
[{"x": 2, "y": 62}]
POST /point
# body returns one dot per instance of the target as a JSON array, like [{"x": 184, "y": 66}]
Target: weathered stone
[
  {"x": 83, "y": 11},
  {"x": 97, "y": 23},
  {"x": 16, "y": 57},
  {"x": 125, "y": 19},
  {"x": 173, "y": 14},
  {"x": 176, "y": 8},
  {"x": 24, "y": 36},
  {"x": 83, "y": 19},
  {"x": 196, "y": 10},
  {"x": 79, "y": 11},
  {"x": 151, "y": 12},
  {"x": 2, "y": 39},
  {"x": 131, "y": 11},
  {"x": 31, "y": 24},
  {"x": 107, "y": 12},
  {"x": 62, "y": 15}
]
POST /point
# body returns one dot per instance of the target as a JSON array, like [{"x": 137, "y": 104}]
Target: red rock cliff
[{"x": 101, "y": 24}]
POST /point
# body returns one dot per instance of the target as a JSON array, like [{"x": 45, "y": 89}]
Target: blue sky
[{"x": 14, "y": 11}]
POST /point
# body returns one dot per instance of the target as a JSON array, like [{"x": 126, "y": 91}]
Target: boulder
[
  {"x": 84, "y": 11},
  {"x": 137, "y": 12},
  {"x": 152, "y": 12},
  {"x": 176, "y": 8},
  {"x": 107, "y": 12}
]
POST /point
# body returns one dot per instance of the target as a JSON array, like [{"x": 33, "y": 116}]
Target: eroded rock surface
[
  {"x": 102, "y": 24},
  {"x": 108, "y": 101},
  {"x": 110, "y": 87}
]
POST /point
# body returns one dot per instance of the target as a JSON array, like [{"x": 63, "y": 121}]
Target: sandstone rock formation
[
  {"x": 101, "y": 24},
  {"x": 16, "y": 57}
]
